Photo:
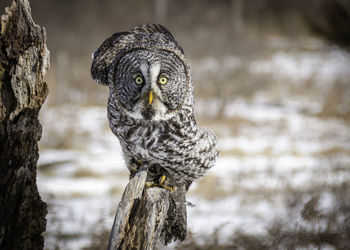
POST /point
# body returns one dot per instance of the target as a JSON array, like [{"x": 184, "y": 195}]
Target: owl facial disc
[{"x": 150, "y": 84}]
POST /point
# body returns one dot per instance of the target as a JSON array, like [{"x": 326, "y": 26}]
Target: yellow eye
[
  {"x": 162, "y": 80},
  {"x": 139, "y": 80}
]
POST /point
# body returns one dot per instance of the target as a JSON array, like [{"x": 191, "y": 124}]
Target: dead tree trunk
[
  {"x": 140, "y": 216},
  {"x": 24, "y": 60}
]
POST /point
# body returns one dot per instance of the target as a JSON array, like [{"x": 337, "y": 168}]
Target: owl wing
[
  {"x": 104, "y": 56},
  {"x": 206, "y": 150}
]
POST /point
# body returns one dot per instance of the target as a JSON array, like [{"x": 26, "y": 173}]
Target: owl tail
[{"x": 175, "y": 225}]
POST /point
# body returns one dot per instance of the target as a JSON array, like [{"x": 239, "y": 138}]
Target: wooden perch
[
  {"x": 140, "y": 215},
  {"x": 24, "y": 60}
]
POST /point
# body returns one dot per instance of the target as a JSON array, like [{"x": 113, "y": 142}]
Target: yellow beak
[{"x": 150, "y": 97}]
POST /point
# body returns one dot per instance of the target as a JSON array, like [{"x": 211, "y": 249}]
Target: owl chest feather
[
  {"x": 177, "y": 145},
  {"x": 156, "y": 143}
]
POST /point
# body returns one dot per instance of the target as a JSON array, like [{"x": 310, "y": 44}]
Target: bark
[
  {"x": 24, "y": 60},
  {"x": 140, "y": 216}
]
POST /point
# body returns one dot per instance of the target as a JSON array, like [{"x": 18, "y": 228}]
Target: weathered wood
[
  {"x": 132, "y": 192},
  {"x": 24, "y": 60},
  {"x": 140, "y": 215}
]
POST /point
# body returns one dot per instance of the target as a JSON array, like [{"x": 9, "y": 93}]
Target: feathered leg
[{"x": 175, "y": 225}]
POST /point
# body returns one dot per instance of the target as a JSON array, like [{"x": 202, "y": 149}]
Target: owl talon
[
  {"x": 150, "y": 184},
  {"x": 170, "y": 188},
  {"x": 135, "y": 166},
  {"x": 162, "y": 180},
  {"x": 160, "y": 184},
  {"x": 133, "y": 170}
]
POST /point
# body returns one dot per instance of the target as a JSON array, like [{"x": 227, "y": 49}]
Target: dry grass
[
  {"x": 49, "y": 169},
  {"x": 269, "y": 152},
  {"x": 99, "y": 240},
  {"x": 331, "y": 152},
  {"x": 115, "y": 190},
  {"x": 209, "y": 188},
  {"x": 292, "y": 233},
  {"x": 86, "y": 173}
]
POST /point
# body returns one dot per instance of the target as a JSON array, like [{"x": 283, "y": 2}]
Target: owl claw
[
  {"x": 133, "y": 170},
  {"x": 162, "y": 180},
  {"x": 168, "y": 188},
  {"x": 150, "y": 184},
  {"x": 160, "y": 184}
]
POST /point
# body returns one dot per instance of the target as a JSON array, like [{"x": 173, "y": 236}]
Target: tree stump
[
  {"x": 140, "y": 216},
  {"x": 24, "y": 60}
]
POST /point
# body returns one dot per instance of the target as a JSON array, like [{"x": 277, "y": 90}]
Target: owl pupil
[
  {"x": 138, "y": 80},
  {"x": 163, "y": 80}
]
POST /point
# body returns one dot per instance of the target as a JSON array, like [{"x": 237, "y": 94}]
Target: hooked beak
[{"x": 150, "y": 99}]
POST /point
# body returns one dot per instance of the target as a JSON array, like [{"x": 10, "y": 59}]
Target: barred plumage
[{"x": 150, "y": 110}]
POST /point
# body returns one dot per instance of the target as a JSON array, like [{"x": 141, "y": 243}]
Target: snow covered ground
[{"x": 268, "y": 151}]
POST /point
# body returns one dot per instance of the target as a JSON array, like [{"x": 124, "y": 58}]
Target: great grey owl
[{"x": 150, "y": 110}]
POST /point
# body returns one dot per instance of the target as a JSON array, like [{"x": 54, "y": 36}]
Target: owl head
[{"x": 146, "y": 71}]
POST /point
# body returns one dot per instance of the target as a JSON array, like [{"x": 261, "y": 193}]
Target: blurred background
[{"x": 272, "y": 79}]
